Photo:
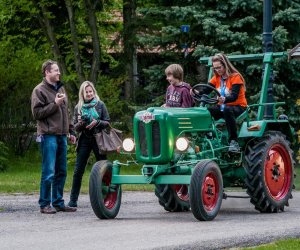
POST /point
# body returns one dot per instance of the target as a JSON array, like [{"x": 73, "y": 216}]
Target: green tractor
[{"x": 184, "y": 153}]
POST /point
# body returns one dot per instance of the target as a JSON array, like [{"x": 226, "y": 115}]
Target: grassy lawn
[
  {"x": 290, "y": 244},
  {"x": 23, "y": 174}
]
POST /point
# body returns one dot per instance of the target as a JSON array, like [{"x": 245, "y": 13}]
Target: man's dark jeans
[{"x": 54, "y": 170}]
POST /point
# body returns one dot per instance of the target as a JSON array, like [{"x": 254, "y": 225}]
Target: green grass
[
  {"x": 290, "y": 244},
  {"x": 24, "y": 173}
]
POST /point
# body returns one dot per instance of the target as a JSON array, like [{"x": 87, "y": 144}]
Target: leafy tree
[
  {"x": 67, "y": 31},
  {"x": 91, "y": 42},
  {"x": 232, "y": 27}
]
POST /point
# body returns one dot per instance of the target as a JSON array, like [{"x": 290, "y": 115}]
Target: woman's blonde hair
[
  {"x": 229, "y": 68},
  {"x": 82, "y": 95}
]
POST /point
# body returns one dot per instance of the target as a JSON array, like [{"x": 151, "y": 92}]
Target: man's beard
[{"x": 54, "y": 79}]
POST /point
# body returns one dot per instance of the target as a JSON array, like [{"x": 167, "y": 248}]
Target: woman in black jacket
[{"x": 90, "y": 117}]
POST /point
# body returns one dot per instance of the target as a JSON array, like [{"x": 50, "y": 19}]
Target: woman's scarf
[{"x": 88, "y": 111}]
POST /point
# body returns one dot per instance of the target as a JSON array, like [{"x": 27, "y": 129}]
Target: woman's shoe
[
  {"x": 72, "y": 204},
  {"x": 234, "y": 147}
]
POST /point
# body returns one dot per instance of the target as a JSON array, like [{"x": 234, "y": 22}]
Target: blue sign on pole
[{"x": 185, "y": 28}]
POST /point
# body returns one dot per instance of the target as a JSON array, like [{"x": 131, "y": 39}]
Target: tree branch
[
  {"x": 74, "y": 38},
  {"x": 92, "y": 21}
]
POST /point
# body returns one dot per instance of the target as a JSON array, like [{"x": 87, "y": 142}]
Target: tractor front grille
[
  {"x": 155, "y": 138},
  {"x": 152, "y": 134},
  {"x": 142, "y": 138}
]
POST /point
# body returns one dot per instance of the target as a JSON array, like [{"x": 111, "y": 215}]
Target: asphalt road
[{"x": 141, "y": 224}]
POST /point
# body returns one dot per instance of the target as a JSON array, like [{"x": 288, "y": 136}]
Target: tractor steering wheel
[{"x": 199, "y": 95}]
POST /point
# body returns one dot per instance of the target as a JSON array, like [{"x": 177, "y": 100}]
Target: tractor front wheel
[
  {"x": 206, "y": 190},
  {"x": 104, "y": 197},
  {"x": 174, "y": 198},
  {"x": 269, "y": 167}
]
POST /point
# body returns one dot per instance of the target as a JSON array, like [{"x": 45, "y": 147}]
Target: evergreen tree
[{"x": 232, "y": 27}]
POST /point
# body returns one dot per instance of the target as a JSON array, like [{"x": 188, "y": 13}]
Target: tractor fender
[{"x": 258, "y": 128}]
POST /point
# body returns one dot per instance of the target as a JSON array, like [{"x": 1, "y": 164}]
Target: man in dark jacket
[{"x": 49, "y": 106}]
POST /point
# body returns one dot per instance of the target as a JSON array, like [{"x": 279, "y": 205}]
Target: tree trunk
[
  {"x": 74, "y": 38},
  {"x": 48, "y": 30},
  {"x": 92, "y": 21},
  {"x": 134, "y": 78},
  {"x": 47, "y": 27},
  {"x": 129, "y": 9}
]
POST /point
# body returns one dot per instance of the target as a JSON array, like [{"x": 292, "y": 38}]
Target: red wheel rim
[
  {"x": 210, "y": 191},
  {"x": 109, "y": 197},
  {"x": 182, "y": 192},
  {"x": 278, "y": 170}
]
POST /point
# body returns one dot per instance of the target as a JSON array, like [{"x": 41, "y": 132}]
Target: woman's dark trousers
[
  {"x": 229, "y": 114},
  {"x": 85, "y": 145}
]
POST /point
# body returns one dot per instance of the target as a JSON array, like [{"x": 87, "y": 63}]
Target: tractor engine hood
[{"x": 156, "y": 129}]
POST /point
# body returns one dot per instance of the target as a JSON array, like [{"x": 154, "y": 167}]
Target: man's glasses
[{"x": 217, "y": 68}]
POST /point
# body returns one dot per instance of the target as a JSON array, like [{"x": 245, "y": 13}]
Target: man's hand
[
  {"x": 59, "y": 98},
  {"x": 92, "y": 124},
  {"x": 72, "y": 139}
]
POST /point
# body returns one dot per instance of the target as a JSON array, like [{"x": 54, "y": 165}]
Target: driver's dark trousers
[{"x": 229, "y": 114}]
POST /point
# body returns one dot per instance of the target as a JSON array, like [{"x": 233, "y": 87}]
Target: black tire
[
  {"x": 173, "y": 198},
  {"x": 269, "y": 169},
  {"x": 206, "y": 190},
  {"x": 105, "y": 199}
]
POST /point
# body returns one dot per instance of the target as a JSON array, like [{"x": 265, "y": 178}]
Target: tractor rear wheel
[
  {"x": 206, "y": 190},
  {"x": 174, "y": 198},
  {"x": 104, "y": 197},
  {"x": 269, "y": 167}
]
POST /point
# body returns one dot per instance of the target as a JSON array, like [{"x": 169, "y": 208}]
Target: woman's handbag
[{"x": 109, "y": 140}]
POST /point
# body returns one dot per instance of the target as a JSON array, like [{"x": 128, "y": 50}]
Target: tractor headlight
[
  {"x": 128, "y": 145},
  {"x": 182, "y": 144}
]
